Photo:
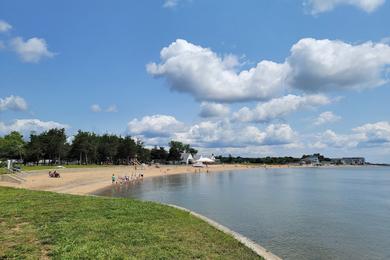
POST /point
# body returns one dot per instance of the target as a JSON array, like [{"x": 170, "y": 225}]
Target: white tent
[
  {"x": 198, "y": 165},
  {"x": 205, "y": 160}
]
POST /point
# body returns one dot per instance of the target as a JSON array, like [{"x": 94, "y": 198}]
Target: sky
[{"x": 252, "y": 78}]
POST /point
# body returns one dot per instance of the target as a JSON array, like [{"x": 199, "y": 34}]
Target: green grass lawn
[
  {"x": 36, "y": 225},
  {"x": 24, "y": 168},
  {"x": 54, "y": 167}
]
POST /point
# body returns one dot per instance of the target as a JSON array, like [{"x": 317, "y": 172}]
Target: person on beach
[{"x": 113, "y": 178}]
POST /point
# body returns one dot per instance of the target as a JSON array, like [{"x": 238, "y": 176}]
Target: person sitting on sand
[{"x": 113, "y": 178}]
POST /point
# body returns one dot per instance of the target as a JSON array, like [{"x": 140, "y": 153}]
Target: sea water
[{"x": 296, "y": 213}]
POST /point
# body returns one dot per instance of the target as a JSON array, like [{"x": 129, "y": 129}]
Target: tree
[
  {"x": 158, "y": 154},
  {"x": 175, "y": 150},
  {"x": 12, "y": 146},
  {"x": 127, "y": 149},
  {"x": 143, "y": 154},
  {"x": 107, "y": 148},
  {"x": 34, "y": 149},
  {"x": 54, "y": 144},
  {"x": 84, "y": 147}
]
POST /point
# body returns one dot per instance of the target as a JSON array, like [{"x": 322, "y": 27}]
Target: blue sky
[{"x": 315, "y": 73}]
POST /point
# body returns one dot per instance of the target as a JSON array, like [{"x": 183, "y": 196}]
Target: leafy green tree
[
  {"x": 127, "y": 149},
  {"x": 177, "y": 148},
  {"x": 54, "y": 144},
  {"x": 143, "y": 154},
  {"x": 108, "y": 148},
  {"x": 84, "y": 147},
  {"x": 159, "y": 154},
  {"x": 34, "y": 149},
  {"x": 12, "y": 146}
]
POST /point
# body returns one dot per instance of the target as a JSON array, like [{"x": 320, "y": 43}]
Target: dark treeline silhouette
[
  {"x": 270, "y": 160},
  {"x": 264, "y": 160},
  {"x": 51, "y": 147}
]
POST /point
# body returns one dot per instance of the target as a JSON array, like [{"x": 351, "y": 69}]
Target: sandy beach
[{"x": 83, "y": 181}]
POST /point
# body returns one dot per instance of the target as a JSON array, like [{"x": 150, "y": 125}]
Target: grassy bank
[{"x": 38, "y": 224}]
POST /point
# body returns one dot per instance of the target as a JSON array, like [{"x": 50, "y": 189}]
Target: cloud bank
[
  {"x": 213, "y": 110},
  {"x": 159, "y": 129},
  {"x": 25, "y": 126},
  {"x": 367, "y": 135},
  {"x": 279, "y": 107},
  {"x": 313, "y": 66}
]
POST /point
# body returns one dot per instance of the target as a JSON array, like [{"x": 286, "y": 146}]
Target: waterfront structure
[
  {"x": 353, "y": 161},
  {"x": 311, "y": 160}
]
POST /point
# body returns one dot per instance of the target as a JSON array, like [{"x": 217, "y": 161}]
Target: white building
[
  {"x": 353, "y": 160},
  {"x": 187, "y": 158}
]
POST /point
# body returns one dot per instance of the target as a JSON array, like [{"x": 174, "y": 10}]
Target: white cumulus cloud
[
  {"x": 14, "y": 103},
  {"x": 4, "y": 26},
  {"x": 313, "y": 66},
  {"x": 160, "y": 129},
  {"x": 199, "y": 71},
  {"x": 213, "y": 110},
  {"x": 376, "y": 133},
  {"x": 325, "y": 65},
  {"x": 155, "y": 126},
  {"x": 326, "y": 117},
  {"x": 320, "y": 6},
  {"x": 32, "y": 50},
  {"x": 279, "y": 107},
  {"x": 224, "y": 134},
  {"x": 26, "y": 126},
  {"x": 367, "y": 135}
]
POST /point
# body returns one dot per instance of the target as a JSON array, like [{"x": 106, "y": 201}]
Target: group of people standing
[{"x": 126, "y": 178}]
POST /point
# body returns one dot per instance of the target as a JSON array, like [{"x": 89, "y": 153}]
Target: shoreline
[
  {"x": 84, "y": 181},
  {"x": 255, "y": 247}
]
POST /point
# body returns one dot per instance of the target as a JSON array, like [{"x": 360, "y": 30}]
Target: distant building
[
  {"x": 353, "y": 160},
  {"x": 336, "y": 161},
  {"x": 311, "y": 160}
]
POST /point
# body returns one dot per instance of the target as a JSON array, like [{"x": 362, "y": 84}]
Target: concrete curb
[
  {"x": 259, "y": 250},
  {"x": 11, "y": 178}
]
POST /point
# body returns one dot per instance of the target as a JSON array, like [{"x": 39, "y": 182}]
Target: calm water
[{"x": 295, "y": 213}]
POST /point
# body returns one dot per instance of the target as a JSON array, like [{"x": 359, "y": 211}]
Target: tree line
[
  {"x": 264, "y": 160},
  {"x": 51, "y": 147}
]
